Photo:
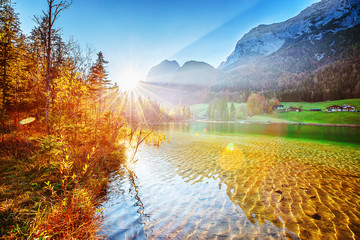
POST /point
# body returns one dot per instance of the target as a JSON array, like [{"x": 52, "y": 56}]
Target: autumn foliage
[{"x": 54, "y": 169}]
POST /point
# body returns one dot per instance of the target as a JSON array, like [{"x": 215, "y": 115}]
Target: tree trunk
[
  {"x": 4, "y": 92},
  {"x": 48, "y": 70}
]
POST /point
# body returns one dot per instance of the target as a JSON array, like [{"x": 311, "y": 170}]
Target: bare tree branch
[{"x": 50, "y": 18}]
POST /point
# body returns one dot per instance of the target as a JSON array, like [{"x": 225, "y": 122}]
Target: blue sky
[{"x": 135, "y": 35}]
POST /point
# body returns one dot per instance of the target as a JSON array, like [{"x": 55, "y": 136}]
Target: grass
[
  {"x": 51, "y": 186},
  {"x": 320, "y": 117},
  {"x": 305, "y": 116},
  {"x": 322, "y": 105},
  {"x": 317, "y": 117},
  {"x": 49, "y": 190}
]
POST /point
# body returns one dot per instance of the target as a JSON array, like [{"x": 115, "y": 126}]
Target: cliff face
[{"x": 316, "y": 21}]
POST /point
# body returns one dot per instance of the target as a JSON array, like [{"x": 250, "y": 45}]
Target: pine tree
[
  {"x": 188, "y": 112},
  {"x": 9, "y": 38},
  {"x": 224, "y": 109},
  {"x": 183, "y": 112},
  {"x": 97, "y": 81},
  {"x": 232, "y": 111},
  {"x": 210, "y": 111}
]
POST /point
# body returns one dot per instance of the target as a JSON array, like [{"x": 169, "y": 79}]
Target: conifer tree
[
  {"x": 9, "y": 38},
  {"x": 97, "y": 80},
  {"x": 188, "y": 112},
  {"x": 224, "y": 109},
  {"x": 210, "y": 112},
  {"x": 232, "y": 111}
]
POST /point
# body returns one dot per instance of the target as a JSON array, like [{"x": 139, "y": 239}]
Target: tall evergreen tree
[
  {"x": 97, "y": 79},
  {"x": 232, "y": 111},
  {"x": 188, "y": 112},
  {"x": 9, "y": 38},
  {"x": 210, "y": 112},
  {"x": 224, "y": 109}
]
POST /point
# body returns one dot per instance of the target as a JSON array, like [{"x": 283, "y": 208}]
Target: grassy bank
[
  {"x": 51, "y": 186},
  {"x": 310, "y": 117},
  {"x": 305, "y": 116},
  {"x": 323, "y": 105},
  {"x": 316, "y": 117}
]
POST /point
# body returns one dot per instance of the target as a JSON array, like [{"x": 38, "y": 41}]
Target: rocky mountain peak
[{"x": 316, "y": 20}]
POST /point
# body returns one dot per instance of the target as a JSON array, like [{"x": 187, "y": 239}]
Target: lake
[{"x": 240, "y": 181}]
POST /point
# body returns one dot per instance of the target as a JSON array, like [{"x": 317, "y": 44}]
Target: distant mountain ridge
[
  {"x": 327, "y": 16},
  {"x": 163, "y": 72},
  {"x": 191, "y": 73}
]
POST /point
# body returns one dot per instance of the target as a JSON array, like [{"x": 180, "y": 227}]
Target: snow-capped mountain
[{"x": 327, "y": 16}]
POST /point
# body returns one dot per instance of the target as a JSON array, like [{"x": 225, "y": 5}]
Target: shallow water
[{"x": 237, "y": 184}]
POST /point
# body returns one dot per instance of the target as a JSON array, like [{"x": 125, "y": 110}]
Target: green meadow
[{"x": 305, "y": 116}]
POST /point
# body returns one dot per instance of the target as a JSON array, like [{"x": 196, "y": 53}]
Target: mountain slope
[
  {"x": 162, "y": 72},
  {"x": 191, "y": 73},
  {"x": 196, "y": 73},
  {"x": 316, "y": 21}
]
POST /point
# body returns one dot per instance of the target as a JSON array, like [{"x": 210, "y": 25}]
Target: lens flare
[
  {"x": 27, "y": 121},
  {"x": 231, "y": 158},
  {"x": 230, "y": 147}
]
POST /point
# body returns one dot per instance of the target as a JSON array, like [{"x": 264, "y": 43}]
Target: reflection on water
[{"x": 212, "y": 184}]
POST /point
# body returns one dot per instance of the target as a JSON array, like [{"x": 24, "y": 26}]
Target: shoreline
[{"x": 287, "y": 123}]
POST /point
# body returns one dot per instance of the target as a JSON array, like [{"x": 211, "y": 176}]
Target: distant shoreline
[{"x": 287, "y": 123}]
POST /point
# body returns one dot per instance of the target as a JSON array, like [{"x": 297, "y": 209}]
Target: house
[
  {"x": 348, "y": 108},
  {"x": 279, "y": 107},
  {"x": 315, "y": 109},
  {"x": 334, "y": 108}
]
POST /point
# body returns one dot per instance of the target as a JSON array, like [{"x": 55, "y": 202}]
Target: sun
[
  {"x": 128, "y": 85},
  {"x": 129, "y": 80}
]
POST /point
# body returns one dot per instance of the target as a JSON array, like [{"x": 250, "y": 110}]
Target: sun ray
[{"x": 157, "y": 97}]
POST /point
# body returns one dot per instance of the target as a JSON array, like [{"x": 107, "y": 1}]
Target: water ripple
[{"x": 258, "y": 187}]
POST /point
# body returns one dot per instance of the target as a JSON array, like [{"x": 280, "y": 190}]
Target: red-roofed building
[
  {"x": 348, "y": 108},
  {"x": 334, "y": 108}
]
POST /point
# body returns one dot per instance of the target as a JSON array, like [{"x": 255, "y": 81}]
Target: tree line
[
  {"x": 219, "y": 109},
  {"x": 66, "y": 155}
]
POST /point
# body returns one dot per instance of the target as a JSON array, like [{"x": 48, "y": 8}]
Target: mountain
[
  {"x": 162, "y": 72},
  {"x": 195, "y": 73},
  {"x": 314, "y": 56},
  {"x": 321, "y": 20},
  {"x": 191, "y": 73},
  {"x": 187, "y": 85}
]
